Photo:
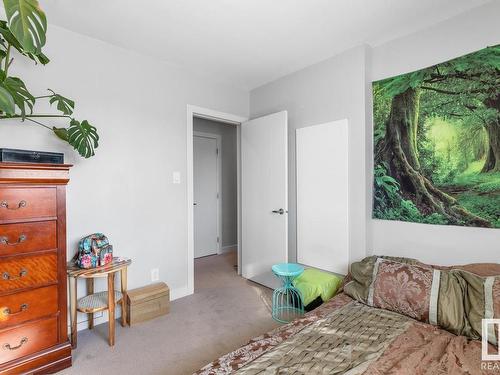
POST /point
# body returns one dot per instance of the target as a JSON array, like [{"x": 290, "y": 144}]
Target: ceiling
[{"x": 248, "y": 43}]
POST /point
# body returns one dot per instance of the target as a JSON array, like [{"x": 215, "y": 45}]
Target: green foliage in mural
[{"x": 437, "y": 143}]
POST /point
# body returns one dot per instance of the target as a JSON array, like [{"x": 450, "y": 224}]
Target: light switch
[{"x": 176, "y": 177}]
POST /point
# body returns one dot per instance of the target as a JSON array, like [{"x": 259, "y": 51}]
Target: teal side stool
[{"x": 287, "y": 300}]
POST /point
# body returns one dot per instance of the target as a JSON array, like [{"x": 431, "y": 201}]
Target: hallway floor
[{"x": 224, "y": 313}]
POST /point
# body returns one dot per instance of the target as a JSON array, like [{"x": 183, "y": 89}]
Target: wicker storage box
[{"x": 147, "y": 303}]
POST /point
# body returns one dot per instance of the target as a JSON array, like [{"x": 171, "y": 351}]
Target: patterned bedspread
[{"x": 346, "y": 337}]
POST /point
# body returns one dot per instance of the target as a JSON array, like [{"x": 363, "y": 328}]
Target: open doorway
[
  {"x": 215, "y": 199},
  {"x": 262, "y": 191},
  {"x": 215, "y": 187},
  {"x": 213, "y": 193}
]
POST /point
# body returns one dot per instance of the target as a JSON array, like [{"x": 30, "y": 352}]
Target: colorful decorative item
[
  {"x": 94, "y": 251},
  {"x": 314, "y": 283},
  {"x": 437, "y": 143},
  {"x": 287, "y": 300}
]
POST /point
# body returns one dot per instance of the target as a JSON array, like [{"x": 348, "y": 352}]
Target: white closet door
[
  {"x": 322, "y": 196},
  {"x": 264, "y": 192},
  {"x": 205, "y": 196}
]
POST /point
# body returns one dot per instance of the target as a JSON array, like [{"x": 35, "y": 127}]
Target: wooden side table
[{"x": 101, "y": 301}]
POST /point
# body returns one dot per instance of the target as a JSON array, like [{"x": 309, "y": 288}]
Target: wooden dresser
[{"x": 33, "y": 307}]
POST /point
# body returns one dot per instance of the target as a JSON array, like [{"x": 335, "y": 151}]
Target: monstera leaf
[
  {"x": 61, "y": 133},
  {"x": 11, "y": 39},
  {"x": 27, "y": 23},
  {"x": 22, "y": 97},
  {"x": 7, "y": 104},
  {"x": 64, "y": 105},
  {"x": 25, "y": 31},
  {"x": 83, "y": 137}
]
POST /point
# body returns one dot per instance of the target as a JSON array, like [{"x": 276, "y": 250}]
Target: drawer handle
[
  {"x": 23, "y": 341},
  {"x": 22, "y": 309},
  {"x": 5, "y": 204},
  {"x": 6, "y": 275},
  {"x": 5, "y": 240}
]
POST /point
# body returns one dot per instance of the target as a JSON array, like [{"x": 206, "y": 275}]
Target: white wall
[
  {"x": 466, "y": 33},
  {"x": 331, "y": 90},
  {"x": 139, "y": 106},
  {"x": 229, "y": 176},
  {"x": 341, "y": 88}
]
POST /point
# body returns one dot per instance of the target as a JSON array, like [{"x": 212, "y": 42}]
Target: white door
[
  {"x": 264, "y": 196},
  {"x": 205, "y": 196}
]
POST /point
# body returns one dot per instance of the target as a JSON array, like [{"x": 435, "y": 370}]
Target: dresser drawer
[
  {"x": 27, "y": 271},
  {"x": 27, "y": 339},
  {"x": 27, "y": 203},
  {"x": 33, "y": 304},
  {"x": 27, "y": 237}
]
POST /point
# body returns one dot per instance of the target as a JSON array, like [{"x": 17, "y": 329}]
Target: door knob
[{"x": 280, "y": 211}]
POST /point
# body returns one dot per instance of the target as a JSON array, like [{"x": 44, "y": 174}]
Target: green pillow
[{"x": 314, "y": 283}]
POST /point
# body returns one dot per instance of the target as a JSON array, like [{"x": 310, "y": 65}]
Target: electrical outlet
[{"x": 155, "y": 274}]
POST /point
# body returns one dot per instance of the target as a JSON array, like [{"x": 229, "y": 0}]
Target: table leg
[
  {"x": 72, "y": 296},
  {"x": 123, "y": 279},
  {"x": 111, "y": 307},
  {"x": 90, "y": 290}
]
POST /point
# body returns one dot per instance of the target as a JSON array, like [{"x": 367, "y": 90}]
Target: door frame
[
  {"x": 218, "y": 140},
  {"x": 228, "y": 118}
]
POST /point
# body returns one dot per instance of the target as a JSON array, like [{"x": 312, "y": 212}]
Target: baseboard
[
  {"x": 228, "y": 249},
  {"x": 102, "y": 317},
  {"x": 179, "y": 293}
]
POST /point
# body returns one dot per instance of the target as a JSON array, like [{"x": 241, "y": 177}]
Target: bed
[{"x": 348, "y": 336}]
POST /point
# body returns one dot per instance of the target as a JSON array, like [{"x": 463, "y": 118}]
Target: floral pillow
[
  {"x": 455, "y": 298},
  {"x": 402, "y": 288}
]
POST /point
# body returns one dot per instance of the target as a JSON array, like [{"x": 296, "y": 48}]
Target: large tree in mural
[{"x": 437, "y": 143}]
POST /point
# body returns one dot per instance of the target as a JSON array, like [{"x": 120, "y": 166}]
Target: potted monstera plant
[{"x": 24, "y": 31}]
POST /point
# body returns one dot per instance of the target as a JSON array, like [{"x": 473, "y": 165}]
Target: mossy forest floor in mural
[{"x": 437, "y": 143}]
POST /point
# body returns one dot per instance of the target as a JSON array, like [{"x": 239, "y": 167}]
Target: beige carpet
[{"x": 224, "y": 313}]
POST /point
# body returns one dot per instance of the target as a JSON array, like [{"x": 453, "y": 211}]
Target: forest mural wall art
[{"x": 437, "y": 143}]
